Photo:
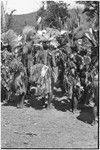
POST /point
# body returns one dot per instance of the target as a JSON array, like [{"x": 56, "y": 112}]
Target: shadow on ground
[
  {"x": 60, "y": 103},
  {"x": 37, "y": 104},
  {"x": 9, "y": 104},
  {"x": 86, "y": 115}
]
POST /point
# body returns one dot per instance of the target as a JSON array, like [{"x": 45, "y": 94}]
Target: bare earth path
[{"x": 30, "y": 128}]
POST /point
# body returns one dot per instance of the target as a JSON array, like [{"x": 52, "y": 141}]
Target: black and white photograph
[{"x": 49, "y": 74}]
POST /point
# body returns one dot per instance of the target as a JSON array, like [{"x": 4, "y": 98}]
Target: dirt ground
[{"x": 37, "y": 127}]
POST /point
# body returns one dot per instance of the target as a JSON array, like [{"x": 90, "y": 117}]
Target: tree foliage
[
  {"x": 7, "y": 20},
  {"x": 91, "y": 9},
  {"x": 74, "y": 20},
  {"x": 55, "y": 15},
  {"x": 10, "y": 19}
]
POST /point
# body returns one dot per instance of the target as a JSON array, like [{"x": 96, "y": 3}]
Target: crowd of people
[{"x": 37, "y": 62}]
